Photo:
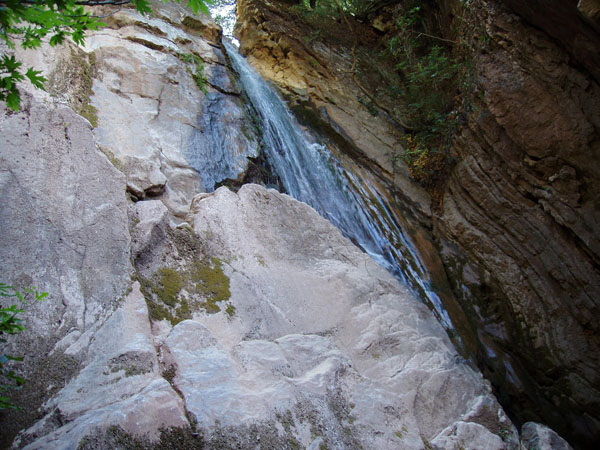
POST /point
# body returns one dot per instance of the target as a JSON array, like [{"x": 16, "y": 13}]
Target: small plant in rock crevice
[
  {"x": 437, "y": 85},
  {"x": 197, "y": 72}
]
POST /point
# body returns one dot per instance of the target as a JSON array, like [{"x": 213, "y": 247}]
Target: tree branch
[
  {"x": 78, "y": 2},
  {"x": 420, "y": 33},
  {"x": 101, "y": 2}
]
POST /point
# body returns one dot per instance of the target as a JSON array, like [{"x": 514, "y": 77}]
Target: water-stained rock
[{"x": 146, "y": 84}]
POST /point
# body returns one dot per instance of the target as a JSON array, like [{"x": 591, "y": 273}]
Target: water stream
[{"x": 341, "y": 191}]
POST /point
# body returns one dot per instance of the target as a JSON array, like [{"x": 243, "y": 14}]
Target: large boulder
[
  {"x": 318, "y": 346},
  {"x": 321, "y": 344}
]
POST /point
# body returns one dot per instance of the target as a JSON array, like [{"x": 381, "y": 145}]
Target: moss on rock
[
  {"x": 72, "y": 80},
  {"x": 174, "y": 294},
  {"x": 169, "y": 285},
  {"x": 211, "y": 280}
]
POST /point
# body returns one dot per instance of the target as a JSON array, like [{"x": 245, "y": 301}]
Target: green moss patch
[
  {"x": 211, "y": 281},
  {"x": 112, "y": 158},
  {"x": 230, "y": 310},
  {"x": 174, "y": 295},
  {"x": 169, "y": 284}
]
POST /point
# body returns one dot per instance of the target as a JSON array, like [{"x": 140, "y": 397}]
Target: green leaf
[
  {"x": 142, "y": 6},
  {"x": 57, "y": 39},
  {"x": 38, "y": 81},
  {"x": 13, "y": 100},
  {"x": 10, "y": 63},
  {"x": 5, "y": 290},
  {"x": 199, "y": 5}
]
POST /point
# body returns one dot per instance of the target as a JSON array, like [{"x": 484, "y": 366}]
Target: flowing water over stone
[{"x": 330, "y": 184}]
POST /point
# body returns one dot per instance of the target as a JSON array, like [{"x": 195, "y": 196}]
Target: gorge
[{"x": 190, "y": 308}]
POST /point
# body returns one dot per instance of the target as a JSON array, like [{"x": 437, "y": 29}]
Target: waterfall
[{"x": 331, "y": 184}]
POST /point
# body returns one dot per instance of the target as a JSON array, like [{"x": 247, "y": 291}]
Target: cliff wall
[{"x": 184, "y": 319}]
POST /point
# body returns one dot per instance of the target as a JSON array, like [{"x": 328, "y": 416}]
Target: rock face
[
  {"x": 148, "y": 85},
  {"x": 61, "y": 235},
  {"x": 522, "y": 203},
  {"x": 535, "y": 435},
  {"x": 201, "y": 320},
  {"x": 320, "y": 347},
  {"x": 515, "y": 223},
  {"x": 119, "y": 120}
]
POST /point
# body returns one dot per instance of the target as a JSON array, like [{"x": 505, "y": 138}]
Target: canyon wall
[
  {"x": 516, "y": 245},
  {"x": 178, "y": 318}
]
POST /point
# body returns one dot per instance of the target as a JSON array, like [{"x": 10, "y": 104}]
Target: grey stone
[
  {"x": 64, "y": 229},
  {"x": 132, "y": 81},
  {"x": 64, "y": 214},
  {"x": 144, "y": 178},
  {"x": 121, "y": 384},
  {"x": 539, "y": 437},
  {"x": 319, "y": 329}
]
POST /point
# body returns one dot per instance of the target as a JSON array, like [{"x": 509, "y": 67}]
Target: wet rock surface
[{"x": 148, "y": 85}]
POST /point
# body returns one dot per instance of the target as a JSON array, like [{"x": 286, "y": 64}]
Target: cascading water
[{"x": 312, "y": 174}]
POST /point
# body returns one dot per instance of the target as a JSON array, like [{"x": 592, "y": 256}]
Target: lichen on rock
[{"x": 72, "y": 79}]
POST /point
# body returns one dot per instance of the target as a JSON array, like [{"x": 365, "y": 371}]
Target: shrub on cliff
[
  {"x": 436, "y": 84},
  {"x": 29, "y": 22},
  {"x": 10, "y": 324}
]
